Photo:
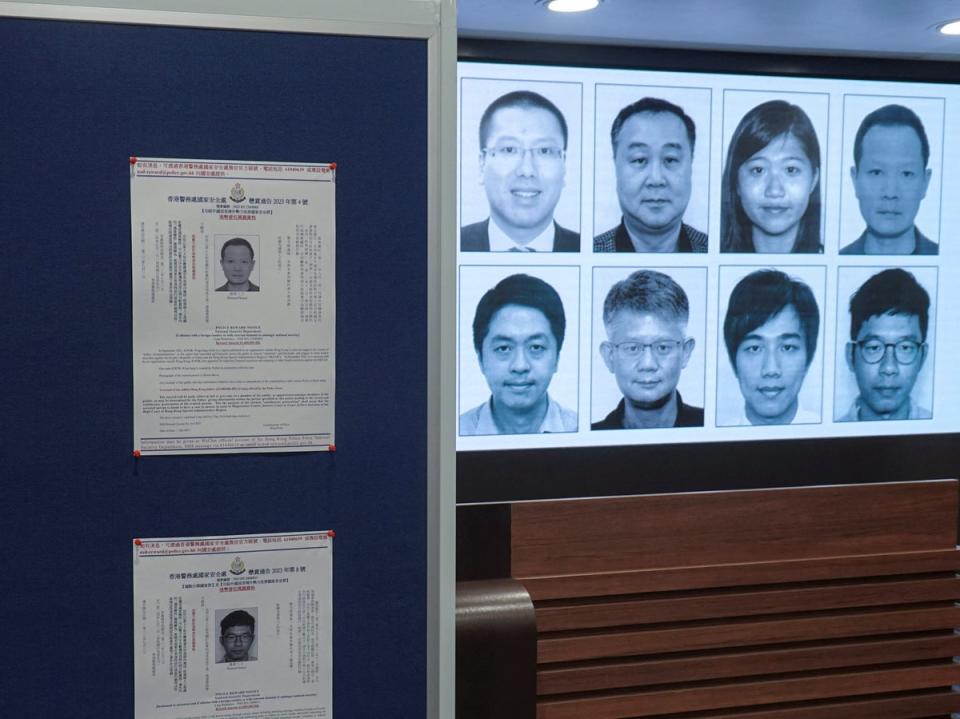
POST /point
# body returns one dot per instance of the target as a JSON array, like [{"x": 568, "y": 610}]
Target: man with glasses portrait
[
  {"x": 237, "y": 634},
  {"x": 523, "y": 143},
  {"x": 645, "y": 318},
  {"x": 889, "y": 315}
]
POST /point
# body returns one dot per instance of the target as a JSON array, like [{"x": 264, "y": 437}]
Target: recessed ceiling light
[
  {"x": 950, "y": 28},
  {"x": 569, "y": 5}
]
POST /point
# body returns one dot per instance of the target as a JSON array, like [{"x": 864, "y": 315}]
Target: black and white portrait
[
  {"x": 770, "y": 345},
  {"x": 774, "y": 174},
  {"x": 520, "y": 161},
  {"x": 648, "y": 347},
  {"x": 651, "y": 169},
  {"x": 893, "y": 156},
  {"x": 236, "y": 635},
  {"x": 518, "y": 350},
  {"x": 886, "y": 321}
]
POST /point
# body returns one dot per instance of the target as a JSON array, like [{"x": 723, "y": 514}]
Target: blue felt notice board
[{"x": 76, "y": 100}]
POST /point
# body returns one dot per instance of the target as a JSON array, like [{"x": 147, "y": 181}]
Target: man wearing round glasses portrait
[
  {"x": 237, "y": 635},
  {"x": 523, "y": 144},
  {"x": 645, "y": 318},
  {"x": 889, "y": 315}
]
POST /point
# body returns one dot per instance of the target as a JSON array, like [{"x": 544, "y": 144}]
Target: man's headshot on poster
[
  {"x": 770, "y": 333},
  {"x": 237, "y": 636},
  {"x": 237, "y": 262},
  {"x": 653, "y": 141},
  {"x": 518, "y": 332},
  {"x": 522, "y": 165},
  {"x": 891, "y": 175},
  {"x": 889, "y": 319},
  {"x": 771, "y": 183}
]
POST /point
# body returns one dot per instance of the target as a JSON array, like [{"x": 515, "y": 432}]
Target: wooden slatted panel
[
  {"x": 913, "y": 705},
  {"x": 696, "y": 636},
  {"x": 687, "y": 698},
  {"x": 701, "y": 666},
  {"x": 646, "y": 609},
  {"x": 737, "y": 575},
  {"x": 821, "y": 603},
  {"x": 684, "y": 530}
]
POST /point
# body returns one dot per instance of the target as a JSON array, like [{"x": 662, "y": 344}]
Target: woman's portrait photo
[{"x": 771, "y": 194}]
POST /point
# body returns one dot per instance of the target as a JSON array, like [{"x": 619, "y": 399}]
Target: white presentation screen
[{"x": 651, "y": 257}]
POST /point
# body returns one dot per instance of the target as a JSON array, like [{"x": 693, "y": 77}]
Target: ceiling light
[
  {"x": 950, "y": 28},
  {"x": 569, "y": 5}
]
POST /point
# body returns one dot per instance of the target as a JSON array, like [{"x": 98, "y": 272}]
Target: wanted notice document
[
  {"x": 233, "y": 306},
  {"x": 236, "y": 626}
]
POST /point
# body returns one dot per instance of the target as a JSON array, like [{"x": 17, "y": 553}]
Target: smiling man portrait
[
  {"x": 890, "y": 177},
  {"x": 523, "y": 146},
  {"x": 518, "y": 332},
  {"x": 653, "y": 142}
]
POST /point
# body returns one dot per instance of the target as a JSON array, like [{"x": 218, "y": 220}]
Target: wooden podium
[{"x": 830, "y": 602}]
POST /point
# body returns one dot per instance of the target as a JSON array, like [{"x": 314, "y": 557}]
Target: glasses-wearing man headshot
[
  {"x": 653, "y": 142},
  {"x": 890, "y": 179},
  {"x": 523, "y": 146},
  {"x": 237, "y": 634},
  {"x": 770, "y": 332},
  {"x": 889, "y": 314},
  {"x": 236, "y": 260},
  {"x": 645, "y": 318},
  {"x": 518, "y": 331}
]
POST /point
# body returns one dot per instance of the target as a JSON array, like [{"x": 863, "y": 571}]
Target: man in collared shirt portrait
[
  {"x": 891, "y": 175},
  {"x": 522, "y": 162},
  {"x": 653, "y": 142},
  {"x": 889, "y": 318},
  {"x": 645, "y": 318},
  {"x": 237, "y": 637},
  {"x": 518, "y": 332}
]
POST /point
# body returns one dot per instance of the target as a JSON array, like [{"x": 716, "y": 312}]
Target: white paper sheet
[
  {"x": 237, "y": 626},
  {"x": 233, "y": 306}
]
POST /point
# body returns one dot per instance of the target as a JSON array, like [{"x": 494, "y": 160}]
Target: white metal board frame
[{"x": 435, "y": 22}]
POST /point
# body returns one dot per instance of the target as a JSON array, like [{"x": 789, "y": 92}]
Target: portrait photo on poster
[
  {"x": 886, "y": 342},
  {"x": 893, "y": 167},
  {"x": 774, "y": 178},
  {"x": 518, "y": 363},
  {"x": 520, "y": 165},
  {"x": 236, "y": 635},
  {"x": 236, "y": 263},
  {"x": 651, "y": 189},
  {"x": 647, "y": 350},
  {"x": 770, "y": 345}
]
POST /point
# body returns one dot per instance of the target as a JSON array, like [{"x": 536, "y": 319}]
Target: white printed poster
[
  {"x": 233, "y": 306},
  {"x": 237, "y": 626}
]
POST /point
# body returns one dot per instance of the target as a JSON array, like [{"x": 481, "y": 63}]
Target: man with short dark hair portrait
[
  {"x": 890, "y": 177},
  {"x": 237, "y": 634},
  {"x": 770, "y": 332},
  {"x": 645, "y": 317},
  {"x": 889, "y": 315},
  {"x": 653, "y": 142},
  {"x": 518, "y": 331},
  {"x": 523, "y": 145},
  {"x": 236, "y": 260}
]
